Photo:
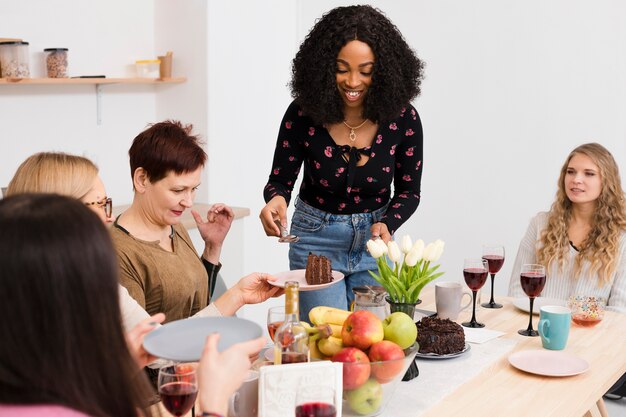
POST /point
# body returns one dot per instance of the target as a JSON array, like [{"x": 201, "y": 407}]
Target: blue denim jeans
[{"x": 342, "y": 239}]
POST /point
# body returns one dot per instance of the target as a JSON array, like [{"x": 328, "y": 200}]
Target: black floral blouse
[{"x": 337, "y": 186}]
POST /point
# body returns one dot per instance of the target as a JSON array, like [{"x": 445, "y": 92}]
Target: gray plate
[
  {"x": 446, "y": 356},
  {"x": 183, "y": 340}
]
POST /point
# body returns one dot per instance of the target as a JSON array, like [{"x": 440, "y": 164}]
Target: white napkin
[
  {"x": 278, "y": 385},
  {"x": 480, "y": 335}
]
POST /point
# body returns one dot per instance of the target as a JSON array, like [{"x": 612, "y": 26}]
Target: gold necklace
[{"x": 352, "y": 129}]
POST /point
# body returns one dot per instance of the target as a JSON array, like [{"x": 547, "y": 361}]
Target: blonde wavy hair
[
  {"x": 601, "y": 246},
  {"x": 53, "y": 172}
]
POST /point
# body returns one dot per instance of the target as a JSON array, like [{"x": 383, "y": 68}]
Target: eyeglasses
[{"x": 106, "y": 203}]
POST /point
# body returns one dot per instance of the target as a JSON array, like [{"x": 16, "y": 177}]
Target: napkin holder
[{"x": 278, "y": 385}]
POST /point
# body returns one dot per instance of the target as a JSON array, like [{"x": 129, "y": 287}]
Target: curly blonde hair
[{"x": 601, "y": 246}]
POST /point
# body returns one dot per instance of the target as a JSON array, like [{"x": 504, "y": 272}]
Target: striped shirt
[{"x": 561, "y": 284}]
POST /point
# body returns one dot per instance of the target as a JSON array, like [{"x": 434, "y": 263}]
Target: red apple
[
  {"x": 361, "y": 329},
  {"x": 356, "y": 366},
  {"x": 393, "y": 356}
]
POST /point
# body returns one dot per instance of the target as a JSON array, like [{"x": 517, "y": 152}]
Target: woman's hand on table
[
  {"x": 380, "y": 230},
  {"x": 214, "y": 229},
  {"x": 229, "y": 367},
  {"x": 275, "y": 209},
  {"x": 134, "y": 339}
]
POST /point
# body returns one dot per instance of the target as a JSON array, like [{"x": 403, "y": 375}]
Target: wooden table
[{"x": 502, "y": 390}]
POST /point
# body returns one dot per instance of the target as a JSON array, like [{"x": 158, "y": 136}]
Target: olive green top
[{"x": 175, "y": 283}]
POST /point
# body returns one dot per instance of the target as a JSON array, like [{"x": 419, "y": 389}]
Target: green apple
[
  {"x": 367, "y": 398},
  {"x": 400, "y": 329}
]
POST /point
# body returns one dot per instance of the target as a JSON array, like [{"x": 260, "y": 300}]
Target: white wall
[
  {"x": 511, "y": 87},
  {"x": 101, "y": 40}
]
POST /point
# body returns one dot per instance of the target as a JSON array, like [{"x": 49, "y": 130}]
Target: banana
[
  {"x": 313, "y": 349},
  {"x": 336, "y": 328},
  {"x": 323, "y": 314},
  {"x": 330, "y": 346}
]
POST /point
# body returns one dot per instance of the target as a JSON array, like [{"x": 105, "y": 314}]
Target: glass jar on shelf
[
  {"x": 14, "y": 59},
  {"x": 56, "y": 62}
]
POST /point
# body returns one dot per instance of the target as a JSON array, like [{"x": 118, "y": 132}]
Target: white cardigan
[{"x": 561, "y": 285}]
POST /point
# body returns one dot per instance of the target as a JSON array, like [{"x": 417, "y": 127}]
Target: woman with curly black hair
[{"x": 353, "y": 127}]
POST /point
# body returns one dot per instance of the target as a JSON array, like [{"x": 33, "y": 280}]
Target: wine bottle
[{"x": 291, "y": 340}]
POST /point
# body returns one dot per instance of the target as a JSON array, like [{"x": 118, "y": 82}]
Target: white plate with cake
[
  {"x": 317, "y": 275},
  {"x": 445, "y": 355},
  {"x": 299, "y": 275},
  {"x": 440, "y": 339}
]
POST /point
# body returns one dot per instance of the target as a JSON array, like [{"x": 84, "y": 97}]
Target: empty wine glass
[
  {"x": 315, "y": 401},
  {"x": 533, "y": 279},
  {"x": 475, "y": 274},
  {"x": 178, "y": 387},
  {"x": 494, "y": 255}
]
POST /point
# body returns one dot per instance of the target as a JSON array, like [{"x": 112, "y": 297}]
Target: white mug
[
  {"x": 448, "y": 296},
  {"x": 245, "y": 401}
]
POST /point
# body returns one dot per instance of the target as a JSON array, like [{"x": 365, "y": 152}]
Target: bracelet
[{"x": 210, "y": 414}]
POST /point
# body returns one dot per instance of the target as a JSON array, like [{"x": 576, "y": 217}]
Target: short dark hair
[
  {"x": 62, "y": 334},
  {"x": 164, "y": 147},
  {"x": 396, "y": 76}
]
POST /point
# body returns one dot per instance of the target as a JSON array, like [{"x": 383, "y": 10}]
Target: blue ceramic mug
[{"x": 554, "y": 324}]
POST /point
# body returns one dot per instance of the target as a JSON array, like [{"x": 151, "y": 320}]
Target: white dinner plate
[
  {"x": 523, "y": 303},
  {"x": 548, "y": 362},
  {"x": 444, "y": 356},
  {"x": 183, "y": 340},
  {"x": 299, "y": 276}
]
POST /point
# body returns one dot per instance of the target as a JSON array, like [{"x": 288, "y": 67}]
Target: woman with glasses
[{"x": 73, "y": 176}]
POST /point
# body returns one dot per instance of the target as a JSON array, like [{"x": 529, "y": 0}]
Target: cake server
[{"x": 285, "y": 237}]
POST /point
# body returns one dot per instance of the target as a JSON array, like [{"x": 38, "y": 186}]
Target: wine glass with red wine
[
  {"x": 275, "y": 317},
  {"x": 475, "y": 274},
  {"x": 494, "y": 255},
  {"x": 533, "y": 279},
  {"x": 178, "y": 387},
  {"x": 315, "y": 401}
]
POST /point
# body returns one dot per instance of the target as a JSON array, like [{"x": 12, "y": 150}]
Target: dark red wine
[
  {"x": 495, "y": 263},
  {"x": 293, "y": 357},
  {"x": 532, "y": 283},
  {"x": 475, "y": 278},
  {"x": 178, "y": 397},
  {"x": 316, "y": 410}
]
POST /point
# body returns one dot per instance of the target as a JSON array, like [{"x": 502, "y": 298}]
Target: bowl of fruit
[{"x": 375, "y": 355}]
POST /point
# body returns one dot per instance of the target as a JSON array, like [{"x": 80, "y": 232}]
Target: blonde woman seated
[
  {"x": 582, "y": 239},
  {"x": 77, "y": 177}
]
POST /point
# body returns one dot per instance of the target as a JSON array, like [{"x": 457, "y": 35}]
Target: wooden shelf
[
  {"x": 97, "y": 82},
  {"x": 90, "y": 81}
]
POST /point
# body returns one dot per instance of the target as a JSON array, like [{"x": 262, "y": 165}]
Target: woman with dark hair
[
  {"x": 64, "y": 352},
  {"x": 158, "y": 262},
  {"x": 582, "y": 239},
  {"x": 353, "y": 127}
]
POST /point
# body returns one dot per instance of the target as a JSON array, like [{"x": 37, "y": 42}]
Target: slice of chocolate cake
[
  {"x": 439, "y": 336},
  {"x": 318, "y": 270}
]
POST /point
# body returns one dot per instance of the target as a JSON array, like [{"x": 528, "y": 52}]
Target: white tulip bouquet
[{"x": 405, "y": 281}]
